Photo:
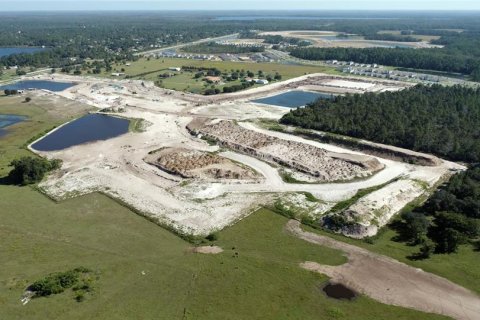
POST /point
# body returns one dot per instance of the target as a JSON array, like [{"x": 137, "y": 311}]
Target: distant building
[
  {"x": 262, "y": 81},
  {"x": 213, "y": 79}
]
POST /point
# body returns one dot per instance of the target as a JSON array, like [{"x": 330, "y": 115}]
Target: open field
[
  {"x": 148, "y": 272},
  {"x": 421, "y": 37},
  {"x": 185, "y": 81}
]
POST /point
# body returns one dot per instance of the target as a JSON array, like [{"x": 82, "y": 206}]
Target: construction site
[{"x": 200, "y": 163}]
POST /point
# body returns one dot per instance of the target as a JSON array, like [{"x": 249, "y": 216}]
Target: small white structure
[
  {"x": 175, "y": 69},
  {"x": 262, "y": 81},
  {"x": 118, "y": 74}
]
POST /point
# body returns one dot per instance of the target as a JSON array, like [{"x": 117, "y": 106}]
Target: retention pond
[
  {"x": 294, "y": 99},
  {"x": 38, "y": 84},
  {"x": 8, "y": 120},
  {"x": 90, "y": 128}
]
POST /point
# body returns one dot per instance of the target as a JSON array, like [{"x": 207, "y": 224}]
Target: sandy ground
[
  {"x": 392, "y": 282},
  {"x": 117, "y": 168},
  {"x": 207, "y": 250},
  {"x": 317, "y": 39}
]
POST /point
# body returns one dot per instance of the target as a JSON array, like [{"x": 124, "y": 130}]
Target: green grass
[
  {"x": 263, "y": 281},
  {"x": 145, "y": 69}
]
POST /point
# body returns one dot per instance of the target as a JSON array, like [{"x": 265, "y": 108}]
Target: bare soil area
[
  {"x": 203, "y": 165},
  {"x": 390, "y": 281},
  {"x": 117, "y": 167},
  {"x": 207, "y": 250},
  {"x": 296, "y": 155}
]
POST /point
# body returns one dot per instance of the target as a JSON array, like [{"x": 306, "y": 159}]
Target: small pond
[
  {"x": 92, "y": 127},
  {"x": 8, "y": 120},
  {"x": 6, "y": 51},
  {"x": 339, "y": 291},
  {"x": 38, "y": 84},
  {"x": 293, "y": 99}
]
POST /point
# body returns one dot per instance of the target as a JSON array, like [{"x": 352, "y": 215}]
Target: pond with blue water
[
  {"x": 38, "y": 84},
  {"x": 7, "y": 120},
  {"x": 6, "y": 51},
  {"x": 294, "y": 99},
  {"x": 89, "y": 128}
]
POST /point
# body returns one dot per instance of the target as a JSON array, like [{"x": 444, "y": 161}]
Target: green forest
[
  {"x": 433, "y": 119},
  {"x": 450, "y": 217}
]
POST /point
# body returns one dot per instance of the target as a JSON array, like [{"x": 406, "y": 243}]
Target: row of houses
[
  {"x": 354, "y": 64},
  {"x": 390, "y": 74}
]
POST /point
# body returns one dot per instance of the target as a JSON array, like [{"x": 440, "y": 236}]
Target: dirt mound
[
  {"x": 197, "y": 164},
  {"x": 296, "y": 155}
]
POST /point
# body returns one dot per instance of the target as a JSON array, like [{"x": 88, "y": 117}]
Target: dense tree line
[
  {"x": 449, "y": 218},
  {"x": 433, "y": 119}
]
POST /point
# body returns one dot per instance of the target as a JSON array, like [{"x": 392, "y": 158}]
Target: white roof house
[{"x": 262, "y": 81}]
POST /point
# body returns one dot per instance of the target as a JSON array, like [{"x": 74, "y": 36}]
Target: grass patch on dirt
[{"x": 461, "y": 267}]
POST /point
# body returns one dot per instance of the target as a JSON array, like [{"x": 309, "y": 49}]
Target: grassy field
[
  {"x": 185, "y": 80},
  {"x": 146, "y": 272},
  {"x": 421, "y": 37}
]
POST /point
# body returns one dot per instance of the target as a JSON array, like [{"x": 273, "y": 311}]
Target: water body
[
  {"x": 38, "y": 84},
  {"x": 8, "y": 120},
  {"x": 90, "y": 128},
  {"x": 339, "y": 291},
  {"x": 15, "y": 50},
  {"x": 294, "y": 99}
]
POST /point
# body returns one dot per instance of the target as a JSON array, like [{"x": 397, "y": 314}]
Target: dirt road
[{"x": 392, "y": 282}]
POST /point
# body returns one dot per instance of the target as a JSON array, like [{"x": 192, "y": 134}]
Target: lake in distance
[{"x": 6, "y": 51}]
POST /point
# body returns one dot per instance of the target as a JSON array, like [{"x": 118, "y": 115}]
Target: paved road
[{"x": 158, "y": 50}]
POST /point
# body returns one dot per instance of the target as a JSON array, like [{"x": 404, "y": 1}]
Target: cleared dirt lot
[
  {"x": 390, "y": 281},
  {"x": 191, "y": 204},
  {"x": 327, "y": 39}
]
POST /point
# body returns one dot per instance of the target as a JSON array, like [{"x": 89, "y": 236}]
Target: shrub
[
  {"x": 29, "y": 170},
  {"x": 212, "y": 237}
]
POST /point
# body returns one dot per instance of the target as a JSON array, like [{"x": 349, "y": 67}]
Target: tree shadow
[
  {"x": 400, "y": 228},
  {"x": 8, "y": 181},
  {"x": 418, "y": 256}
]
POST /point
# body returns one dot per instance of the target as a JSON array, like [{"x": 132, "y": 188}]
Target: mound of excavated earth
[
  {"x": 189, "y": 163},
  {"x": 324, "y": 165}
]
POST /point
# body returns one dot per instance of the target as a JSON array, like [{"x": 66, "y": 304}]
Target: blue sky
[{"x": 28, "y": 5}]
